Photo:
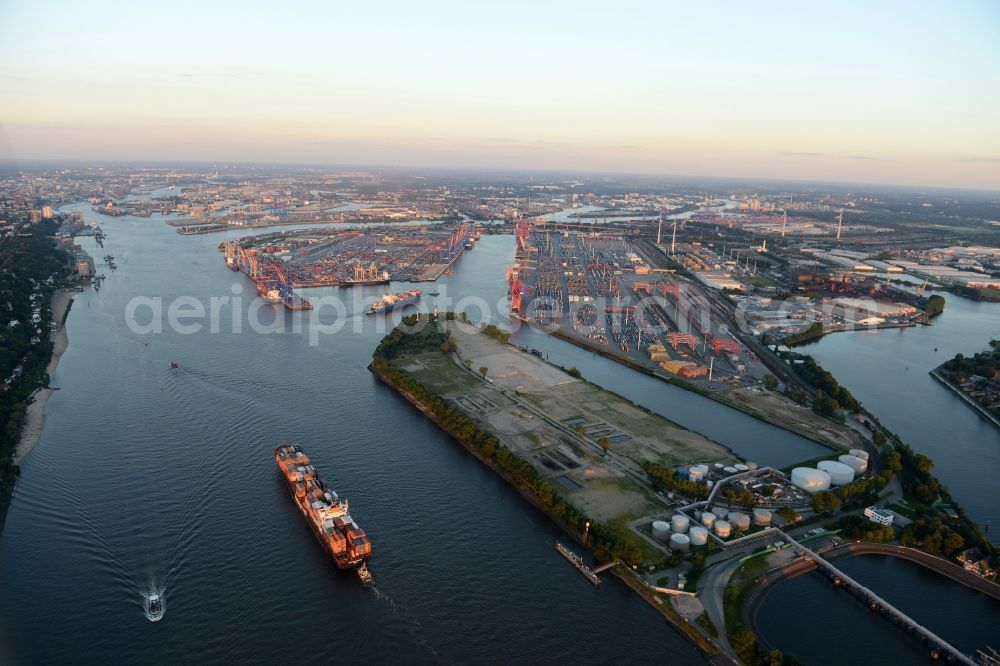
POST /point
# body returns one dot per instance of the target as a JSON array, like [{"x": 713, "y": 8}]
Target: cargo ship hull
[
  {"x": 321, "y": 536},
  {"x": 392, "y": 301},
  {"x": 324, "y": 511},
  {"x": 399, "y": 304}
]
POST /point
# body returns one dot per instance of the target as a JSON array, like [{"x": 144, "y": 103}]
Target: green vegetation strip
[{"x": 27, "y": 261}]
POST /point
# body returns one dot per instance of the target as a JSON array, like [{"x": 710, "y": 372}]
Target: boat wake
[{"x": 412, "y": 624}]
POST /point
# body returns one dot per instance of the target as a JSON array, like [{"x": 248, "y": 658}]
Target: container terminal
[
  {"x": 280, "y": 263},
  {"x": 617, "y": 295}
]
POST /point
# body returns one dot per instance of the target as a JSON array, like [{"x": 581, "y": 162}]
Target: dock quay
[{"x": 578, "y": 562}]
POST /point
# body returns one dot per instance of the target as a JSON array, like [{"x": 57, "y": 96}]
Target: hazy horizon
[{"x": 895, "y": 94}]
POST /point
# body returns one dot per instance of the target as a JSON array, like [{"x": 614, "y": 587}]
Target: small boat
[
  {"x": 154, "y": 608},
  {"x": 365, "y": 576},
  {"x": 173, "y": 365}
]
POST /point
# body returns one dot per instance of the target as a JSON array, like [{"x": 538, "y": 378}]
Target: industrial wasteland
[{"x": 692, "y": 419}]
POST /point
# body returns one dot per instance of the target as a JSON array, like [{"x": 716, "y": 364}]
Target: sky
[{"x": 882, "y": 92}]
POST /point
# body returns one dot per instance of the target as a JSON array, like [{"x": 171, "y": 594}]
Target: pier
[{"x": 578, "y": 562}]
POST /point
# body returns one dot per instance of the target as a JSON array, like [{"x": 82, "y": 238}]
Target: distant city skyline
[{"x": 894, "y": 93}]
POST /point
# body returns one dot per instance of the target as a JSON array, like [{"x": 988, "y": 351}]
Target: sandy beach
[{"x": 34, "y": 420}]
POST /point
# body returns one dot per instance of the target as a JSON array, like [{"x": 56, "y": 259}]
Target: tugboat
[
  {"x": 154, "y": 608},
  {"x": 365, "y": 576}
]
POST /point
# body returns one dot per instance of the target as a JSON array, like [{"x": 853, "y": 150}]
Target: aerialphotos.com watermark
[{"x": 236, "y": 313}]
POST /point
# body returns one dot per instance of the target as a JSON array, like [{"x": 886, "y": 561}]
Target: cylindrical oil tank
[
  {"x": 679, "y": 523},
  {"x": 840, "y": 474},
  {"x": 661, "y": 530},
  {"x": 723, "y": 529},
  {"x": 680, "y": 542},
  {"x": 709, "y": 483},
  {"x": 739, "y": 520},
  {"x": 719, "y": 465},
  {"x": 810, "y": 480},
  {"x": 708, "y": 519},
  {"x": 698, "y": 535},
  {"x": 740, "y": 467},
  {"x": 720, "y": 512},
  {"x": 859, "y": 453},
  {"x": 859, "y": 465},
  {"x": 703, "y": 468},
  {"x": 729, "y": 470},
  {"x": 751, "y": 465},
  {"x": 761, "y": 517},
  {"x": 683, "y": 472},
  {"x": 696, "y": 474}
]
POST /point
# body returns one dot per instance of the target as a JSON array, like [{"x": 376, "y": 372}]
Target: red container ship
[{"x": 326, "y": 513}]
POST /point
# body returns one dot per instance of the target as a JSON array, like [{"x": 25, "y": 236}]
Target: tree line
[
  {"x": 665, "y": 478},
  {"x": 608, "y": 542},
  {"x": 26, "y": 261}
]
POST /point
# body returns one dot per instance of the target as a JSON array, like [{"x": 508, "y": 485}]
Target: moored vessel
[{"x": 270, "y": 293}]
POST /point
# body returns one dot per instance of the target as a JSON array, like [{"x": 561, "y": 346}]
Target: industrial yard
[
  {"x": 279, "y": 263},
  {"x": 616, "y": 296},
  {"x": 556, "y": 422}
]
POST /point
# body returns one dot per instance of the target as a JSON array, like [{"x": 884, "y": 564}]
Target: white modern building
[{"x": 880, "y": 516}]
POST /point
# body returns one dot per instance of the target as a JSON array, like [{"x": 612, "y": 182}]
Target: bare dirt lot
[
  {"x": 789, "y": 414},
  {"x": 556, "y": 421}
]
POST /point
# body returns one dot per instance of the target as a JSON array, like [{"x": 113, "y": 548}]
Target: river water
[
  {"x": 147, "y": 477},
  {"x": 887, "y": 371},
  {"x": 809, "y": 619}
]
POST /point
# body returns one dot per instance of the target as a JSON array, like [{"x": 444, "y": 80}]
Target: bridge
[
  {"x": 605, "y": 567},
  {"x": 878, "y": 602}
]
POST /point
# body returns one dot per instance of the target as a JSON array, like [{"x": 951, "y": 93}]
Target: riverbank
[
  {"x": 683, "y": 626},
  {"x": 34, "y": 418},
  {"x": 936, "y": 374},
  {"x": 816, "y": 432},
  {"x": 490, "y": 421}
]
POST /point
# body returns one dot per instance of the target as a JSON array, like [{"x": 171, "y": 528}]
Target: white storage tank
[
  {"x": 723, "y": 529},
  {"x": 740, "y": 467},
  {"x": 840, "y": 474},
  {"x": 729, "y": 470},
  {"x": 703, "y": 468},
  {"x": 709, "y": 483},
  {"x": 696, "y": 474},
  {"x": 810, "y": 480},
  {"x": 708, "y": 519},
  {"x": 698, "y": 535},
  {"x": 859, "y": 453},
  {"x": 859, "y": 465},
  {"x": 751, "y": 465},
  {"x": 720, "y": 512},
  {"x": 661, "y": 530},
  {"x": 719, "y": 465},
  {"x": 680, "y": 542},
  {"x": 761, "y": 517},
  {"x": 679, "y": 523},
  {"x": 739, "y": 520}
]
